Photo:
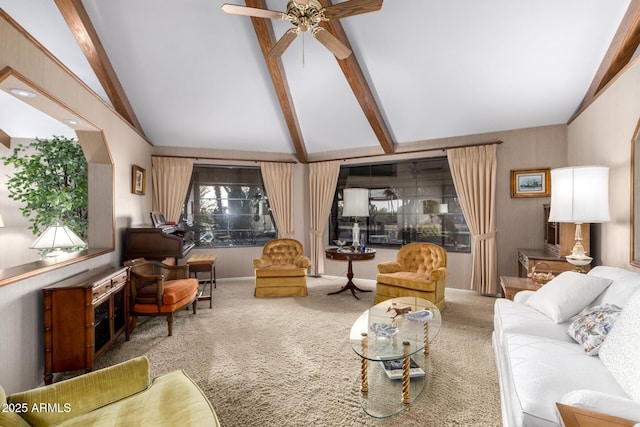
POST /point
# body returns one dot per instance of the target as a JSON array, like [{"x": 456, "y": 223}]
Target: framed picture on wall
[
  {"x": 138, "y": 180},
  {"x": 530, "y": 183}
]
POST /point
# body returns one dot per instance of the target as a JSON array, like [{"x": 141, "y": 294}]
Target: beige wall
[{"x": 602, "y": 136}]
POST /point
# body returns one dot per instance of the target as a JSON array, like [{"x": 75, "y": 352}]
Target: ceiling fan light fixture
[{"x": 306, "y": 15}]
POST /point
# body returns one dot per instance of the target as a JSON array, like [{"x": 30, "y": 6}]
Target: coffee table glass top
[
  {"x": 383, "y": 348},
  {"x": 385, "y": 397}
]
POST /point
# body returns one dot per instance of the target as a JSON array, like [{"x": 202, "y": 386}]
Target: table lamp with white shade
[
  {"x": 579, "y": 195},
  {"x": 57, "y": 237},
  {"x": 356, "y": 204}
]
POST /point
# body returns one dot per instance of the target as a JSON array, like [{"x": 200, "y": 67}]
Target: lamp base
[
  {"x": 355, "y": 234},
  {"x": 579, "y": 261}
]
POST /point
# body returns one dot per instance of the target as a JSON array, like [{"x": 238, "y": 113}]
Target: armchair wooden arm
[{"x": 157, "y": 289}]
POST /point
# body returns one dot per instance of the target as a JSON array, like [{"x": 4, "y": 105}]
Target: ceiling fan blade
[
  {"x": 253, "y": 11},
  {"x": 284, "y": 42},
  {"x": 351, "y": 7},
  {"x": 331, "y": 42}
]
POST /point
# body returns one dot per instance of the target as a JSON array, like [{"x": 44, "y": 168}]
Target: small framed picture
[
  {"x": 138, "y": 180},
  {"x": 530, "y": 183}
]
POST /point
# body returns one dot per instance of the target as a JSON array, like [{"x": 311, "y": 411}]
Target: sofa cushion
[
  {"x": 625, "y": 284},
  {"x": 9, "y": 414},
  {"x": 409, "y": 280},
  {"x": 567, "y": 294},
  {"x": 543, "y": 370},
  {"x": 172, "y": 399},
  {"x": 84, "y": 393},
  {"x": 510, "y": 316},
  {"x": 281, "y": 271},
  {"x": 620, "y": 352},
  {"x": 591, "y": 328}
]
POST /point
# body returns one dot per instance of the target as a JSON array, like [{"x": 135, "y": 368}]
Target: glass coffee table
[{"x": 396, "y": 332}]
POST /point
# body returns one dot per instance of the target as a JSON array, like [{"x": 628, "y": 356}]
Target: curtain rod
[{"x": 421, "y": 150}]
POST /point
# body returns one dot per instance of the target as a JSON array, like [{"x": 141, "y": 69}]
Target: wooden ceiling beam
[
  {"x": 360, "y": 87},
  {"x": 5, "y": 139},
  {"x": 266, "y": 38},
  {"x": 85, "y": 34},
  {"x": 624, "y": 44}
]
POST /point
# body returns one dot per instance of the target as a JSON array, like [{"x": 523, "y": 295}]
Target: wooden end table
[
  {"x": 512, "y": 285},
  {"x": 347, "y": 255},
  {"x": 204, "y": 263},
  {"x": 578, "y": 417}
]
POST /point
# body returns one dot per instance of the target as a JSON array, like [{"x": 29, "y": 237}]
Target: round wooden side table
[{"x": 348, "y": 255}]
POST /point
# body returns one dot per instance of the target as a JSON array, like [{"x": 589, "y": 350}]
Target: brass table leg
[
  {"x": 426, "y": 337},
  {"x": 406, "y": 394},
  {"x": 364, "y": 363}
]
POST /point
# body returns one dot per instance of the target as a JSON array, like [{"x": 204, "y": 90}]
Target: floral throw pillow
[{"x": 591, "y": 328}]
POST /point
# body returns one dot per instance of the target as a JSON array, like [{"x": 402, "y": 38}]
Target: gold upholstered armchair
[
  {"x": 419, "y": 271},
  {"x": 281, "y": 271},
  {"x": 157, "y": 289}
]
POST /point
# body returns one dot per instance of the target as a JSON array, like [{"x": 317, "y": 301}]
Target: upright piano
[{"x": 157, "y": 242}]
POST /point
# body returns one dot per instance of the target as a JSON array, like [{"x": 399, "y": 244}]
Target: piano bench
[{"x": 204, "y": 263}]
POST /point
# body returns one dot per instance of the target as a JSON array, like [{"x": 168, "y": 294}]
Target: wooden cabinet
[
  {"x": 83, "y": 315},
  {"x": 559, "y": 237},
  {"x": 528, "y": 258}
]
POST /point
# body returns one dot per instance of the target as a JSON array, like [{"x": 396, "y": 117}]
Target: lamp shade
[
  {"x": 1, "y": 221},
  {"x": 57, "y": 236},
  {"x": 580, "y": 194},
  {"x": 356, "y": 202}
]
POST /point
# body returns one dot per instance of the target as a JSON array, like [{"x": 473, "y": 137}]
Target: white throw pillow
[
  {"x": 567, "y": 294},
  {"x": 620, "y": 352}
]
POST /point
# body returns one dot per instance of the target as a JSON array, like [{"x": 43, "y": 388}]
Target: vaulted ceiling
[{"x": 185, "y": 74}]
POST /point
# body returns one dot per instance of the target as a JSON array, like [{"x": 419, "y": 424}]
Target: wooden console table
[
  {"x": 83, "y": 316},
  {"x": 512, "y": 285},
  {"x": 528, "y": 258}
]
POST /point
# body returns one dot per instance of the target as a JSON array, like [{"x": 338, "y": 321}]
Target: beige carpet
[{"x": 288, "y": 361}]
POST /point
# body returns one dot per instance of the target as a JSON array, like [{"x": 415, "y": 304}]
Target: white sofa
[{"x": 540, "y": 364}]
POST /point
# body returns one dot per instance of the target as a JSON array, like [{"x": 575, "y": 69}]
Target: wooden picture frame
[
  {"x": 530, "y": 183},
  {"x": 138, "y": 180}
]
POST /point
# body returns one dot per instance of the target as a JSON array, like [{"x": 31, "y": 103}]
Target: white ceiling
[{"x": 196, "y": 76}]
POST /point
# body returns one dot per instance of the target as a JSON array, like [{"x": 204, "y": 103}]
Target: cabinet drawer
[
  {"x": 101, "y": 288},
  {"x": 119, "y": 280},
  {"x": 524, "y": 260}
]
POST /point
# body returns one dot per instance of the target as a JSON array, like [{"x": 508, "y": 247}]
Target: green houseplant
[{"x": 50, "y": 180}]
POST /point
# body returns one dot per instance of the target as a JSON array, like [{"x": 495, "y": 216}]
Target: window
[
  {"x": 409, "y": 201},
  {"x": 227, "y": 206}
]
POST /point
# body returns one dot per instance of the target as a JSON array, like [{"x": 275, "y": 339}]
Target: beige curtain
[
  {"x": 474, "y": 175},
  {"x": 323, "y": 177},
  {"x": 278, "y": 183},
  {"x": 171, "y": 177}
]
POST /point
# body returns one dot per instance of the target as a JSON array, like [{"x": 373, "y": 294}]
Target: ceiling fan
[{"x": 306, "y": 15}]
